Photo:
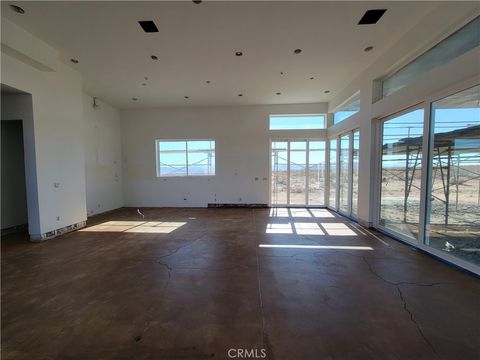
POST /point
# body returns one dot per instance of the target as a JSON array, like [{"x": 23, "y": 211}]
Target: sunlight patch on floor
[
  {"x": 158, "y": 227},
  {"x": 333, "y": 247},
  {"x": 338, "y": 229}
]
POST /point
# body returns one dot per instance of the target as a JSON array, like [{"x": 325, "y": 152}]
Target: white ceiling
[{"x": 197, "y": 43}]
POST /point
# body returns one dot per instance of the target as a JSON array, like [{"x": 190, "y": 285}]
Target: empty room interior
[{"x": 240, "y": 180}]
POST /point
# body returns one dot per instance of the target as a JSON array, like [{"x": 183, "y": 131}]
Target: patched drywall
[{"x": 103, "y": 156}]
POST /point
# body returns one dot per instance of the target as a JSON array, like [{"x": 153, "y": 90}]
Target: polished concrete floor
[{"x": 202, "y": 283}]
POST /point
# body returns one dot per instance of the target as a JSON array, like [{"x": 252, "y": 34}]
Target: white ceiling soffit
[{"x": 196, "y": 44}]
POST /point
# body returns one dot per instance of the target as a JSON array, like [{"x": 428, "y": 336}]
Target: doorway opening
[{"x": 14, "y": 195}]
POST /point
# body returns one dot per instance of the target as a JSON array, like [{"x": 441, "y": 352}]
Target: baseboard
[
  {"x": 216, "y": 205},
  {"x": 57, "y": 232}
]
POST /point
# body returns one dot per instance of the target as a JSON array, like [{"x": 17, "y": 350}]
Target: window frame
[
  {"x": 378, "y": 87},
  {"x": 423, "y": 102},
  {"x": 324, "y": 116},
  {"x": 186, "y": 141},
  {"x": 352, "y": 99}
]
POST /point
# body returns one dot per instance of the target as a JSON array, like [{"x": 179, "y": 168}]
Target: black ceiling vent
[
  {"x": 148, "y": 26},
  {"x": 371, "y": 16}
]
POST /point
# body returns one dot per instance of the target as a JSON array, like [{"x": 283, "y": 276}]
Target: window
[
  {"x": 453, "y": 209},
  {"x": 448, "y": 49},
  {"x": 297, "y": 122},
  {"x": 355, "y": 168},
  {"x": 347, "y": 110},
  {"x": 185, "y": 157},
  {"x": 333, "y": 174},
  {"x": 401, "y": 170},
  {"x": 344, "y": 178}
]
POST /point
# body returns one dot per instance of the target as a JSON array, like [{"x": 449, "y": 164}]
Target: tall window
[
  {"x": 343, "y": 203},
  {"x": 297, "y": 122},
  {"x": 185, "y": 157},
  {"x": 355, "y": 167},
  {"x": 316, "y": 173},
  {"x": 453, "y": 216},
  {"x": 333, "y": 174},
  {"x": 401, "y": 168}
]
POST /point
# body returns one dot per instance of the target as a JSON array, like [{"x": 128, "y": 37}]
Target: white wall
[
  {"x": 432, "y": 28},
  {"x": 14, "y": 199},
  {"x": 103, "y": 156},
  {"x": 57, "y": 136},
  {"x": 242, "y": 153}
]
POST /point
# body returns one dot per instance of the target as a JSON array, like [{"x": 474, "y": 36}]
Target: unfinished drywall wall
[
  {"x": 57, "y": 136},
  {"x": 103, "y": 156},
  {"x": 14, "y": 197},
  {"x": 242, "y": 153}
]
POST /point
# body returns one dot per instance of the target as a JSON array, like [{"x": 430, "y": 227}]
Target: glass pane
[
  {"x": 453, "y": 219},
  {"x": 401, "y": 173},
  {"x": 172, "y": 158},
  {"x": 343, "y": 178},
  {"x": 279, "y": 172},
  {"x": 453, "y": 46},
  {"x": 296, "y": 122},
  {"x": 347, "y": 110},
  {"x": 316, "y": 173},
  {"x": 333, "y": 174},
  {"x": 298, "y": 171},
  {"x": 355, "y": 167},
  {"x": 201, "y": 157}
]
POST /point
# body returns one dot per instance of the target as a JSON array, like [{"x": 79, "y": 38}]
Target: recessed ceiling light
[
  {"x": 297, "y": 51},
  {"x": 154, "y": 57},
  {"x": 368, "y": 48},
  {"x": 134, "y": 99},
  {"x": 238, "y": 53},
  {"x": 197, "y": 1},
  {"x": 75, "y": 61},
  {"x": 148, "y": 26},
  {"x": 327, "y": 91},
  {"x": 186, "y": 97},
  {"x": 371, "y": 16},
  {"x": 17, "y": 9},
  {"x": 278, "y": 93},
  {"x": 240, "y": 94}
]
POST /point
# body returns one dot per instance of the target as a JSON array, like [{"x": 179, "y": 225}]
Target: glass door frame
[
  {"x": 427, "y": 150},
  {"x": 378, "y": 177},
  {"x": 307, "y": 172},
  {"x": 336, "y": 206}
]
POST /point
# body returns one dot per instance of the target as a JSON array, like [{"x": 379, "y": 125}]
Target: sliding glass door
[
  {"x": 453, "y": 209},
  {"x": 401, "y": 173},
  {"x": 298, "y": 172},
  {"x": 429, "y": 178}
]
